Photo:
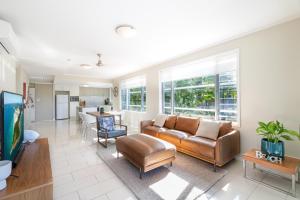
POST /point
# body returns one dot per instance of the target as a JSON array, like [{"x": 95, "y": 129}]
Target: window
[
  {"x": 206, "y": 88},
  {"x": 133, "y": 94}
]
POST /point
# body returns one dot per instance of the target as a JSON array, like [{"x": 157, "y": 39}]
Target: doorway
[{"x": 44, "y": 102}]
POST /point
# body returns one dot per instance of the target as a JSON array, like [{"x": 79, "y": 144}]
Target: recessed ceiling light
[
  {"x": 86, "y": 66},
  {"x": 68, "y": 60},
  {"x": 125, "y": 31}
]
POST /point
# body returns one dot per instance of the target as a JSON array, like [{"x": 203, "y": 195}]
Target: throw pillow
[
  {"x": 160, "y": 120},
  {"x": 30, "y": 136},
  {"x": 208, "y": 129}
]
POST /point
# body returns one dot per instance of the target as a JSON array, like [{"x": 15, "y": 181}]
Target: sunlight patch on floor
[
  {"x": 169, "y": 187},
  {"x": 115, "y": 155},
  {"x": 226, "y": 187},
  {"x": 195, "y": 193}
]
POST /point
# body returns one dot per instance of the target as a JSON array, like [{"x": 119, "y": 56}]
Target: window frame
[
  {"x": 143, "y": 106},
  {"x": 217, "y": 110}
]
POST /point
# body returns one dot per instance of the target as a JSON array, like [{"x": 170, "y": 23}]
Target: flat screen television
[{"x": 11, "y": 126}]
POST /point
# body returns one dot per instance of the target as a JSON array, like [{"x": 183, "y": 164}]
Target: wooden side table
[{"x": 288, "y": 166}]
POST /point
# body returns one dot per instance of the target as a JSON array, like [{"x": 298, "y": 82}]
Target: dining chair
[
  {"x": 81, "y": 121},
  {"x": 89, "y": 123}
]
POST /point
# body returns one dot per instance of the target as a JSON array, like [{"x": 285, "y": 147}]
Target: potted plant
[{"x": 273, "y": 133}]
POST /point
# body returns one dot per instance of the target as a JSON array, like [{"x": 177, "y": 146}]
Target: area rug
[{"x": 188, "y": 178}]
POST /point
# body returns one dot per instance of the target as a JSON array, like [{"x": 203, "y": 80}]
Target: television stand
[{"x": 31, "y": 179}]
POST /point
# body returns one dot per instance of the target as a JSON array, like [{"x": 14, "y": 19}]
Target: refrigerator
[{"x": 62, "y": 106}]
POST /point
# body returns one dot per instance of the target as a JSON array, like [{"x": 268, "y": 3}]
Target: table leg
[
  {"x": 297, "y": 176},
  {"x": 254, "y": 165},
  {"x": 245, "y": 169},
  {"x": 294, "y": 184}
]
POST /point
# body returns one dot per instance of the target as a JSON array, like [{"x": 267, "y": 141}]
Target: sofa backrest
[
  {"x": 170, "y": 122},
  {"x": 191, "y": 124},
  {"x": 226, "y": 127},
  {"x": 187, "y": 124}
]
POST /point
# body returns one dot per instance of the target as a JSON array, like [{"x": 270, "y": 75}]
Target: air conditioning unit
[{"x": 8, "y": 39}]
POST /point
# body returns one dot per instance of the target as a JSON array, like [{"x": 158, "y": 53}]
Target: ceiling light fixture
[{"x": 125, "y": 31}]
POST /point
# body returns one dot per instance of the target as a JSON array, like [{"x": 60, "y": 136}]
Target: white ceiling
[{"x": 52, "y": 31}]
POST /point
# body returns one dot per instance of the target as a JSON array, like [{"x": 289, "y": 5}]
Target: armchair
[{"x": 106, "y": 129}]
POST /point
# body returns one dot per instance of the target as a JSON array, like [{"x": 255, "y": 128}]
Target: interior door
[{"x": 44, "y": 102}]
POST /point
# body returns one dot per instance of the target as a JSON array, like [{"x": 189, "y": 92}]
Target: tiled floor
[{"x": 79, "y": 174}]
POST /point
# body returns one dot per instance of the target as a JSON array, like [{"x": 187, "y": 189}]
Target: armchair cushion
[
  {"x": 107, "y": 123},
  {"x": 113, "y": 133}
]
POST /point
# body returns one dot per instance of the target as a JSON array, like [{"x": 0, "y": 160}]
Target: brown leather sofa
[{"x": 181, "y": 131}]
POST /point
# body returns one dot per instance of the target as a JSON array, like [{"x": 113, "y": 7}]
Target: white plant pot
[{"x": 5, "y": 171}]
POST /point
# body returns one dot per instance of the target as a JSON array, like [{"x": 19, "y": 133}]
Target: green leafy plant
[{"x": 274, "y": 131}]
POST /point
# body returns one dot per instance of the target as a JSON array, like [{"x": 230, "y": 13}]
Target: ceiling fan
[{"x": 98, "y": 64}]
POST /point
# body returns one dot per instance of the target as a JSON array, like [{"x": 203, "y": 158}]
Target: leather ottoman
[{"x": 145, "y": 152}]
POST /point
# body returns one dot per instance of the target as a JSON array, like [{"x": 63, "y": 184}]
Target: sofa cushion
[
  {"x": 160, "y": 120},
  {"x": 225, "y": 127},
  {"x": 208, "y": 129},
  {"x": 199, "y": 145},
  {"x": 187, "y": 124},
  {"x": 173, "y": 136},
  {"x": 153, "y": 130},
  {"x": 170, "y": 122}
]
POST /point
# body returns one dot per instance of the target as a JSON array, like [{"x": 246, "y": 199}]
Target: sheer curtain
[
  {"x": 138, "y": 81},
  {"x": 217, "y": 64}
]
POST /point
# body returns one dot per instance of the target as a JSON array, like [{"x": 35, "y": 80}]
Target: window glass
[
  {"x": 211, "y": 97},
  {"x": 207, "y": 87},
  {"x": 228, "y": 96},
  {"x": 134, "y": 99}
]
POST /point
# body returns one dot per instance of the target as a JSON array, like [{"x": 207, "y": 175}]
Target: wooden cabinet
[{"x": 32, "y": 178}]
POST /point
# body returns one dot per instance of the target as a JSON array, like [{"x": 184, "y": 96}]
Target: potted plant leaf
[{"x": 274, "y": 133}]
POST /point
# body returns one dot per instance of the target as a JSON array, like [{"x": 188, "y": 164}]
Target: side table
[{"x": 288, "y": 166}]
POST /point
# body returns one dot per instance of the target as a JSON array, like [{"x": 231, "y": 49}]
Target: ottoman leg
[
  {"x": 171, "y": 164},
  {"x": 215, "y": 167},
  {"x": 141, "y": 173}
]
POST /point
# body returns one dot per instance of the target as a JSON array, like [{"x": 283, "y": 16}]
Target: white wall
[
  {"x": 21, "y": 77},
  {"x": 269, "y": 80},
  {"x": 7, "y": 72}
]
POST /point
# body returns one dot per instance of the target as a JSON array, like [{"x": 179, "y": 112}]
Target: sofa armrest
[
  {"x": 228, "y": 146},
  {"x": 145, "y": 123}
]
